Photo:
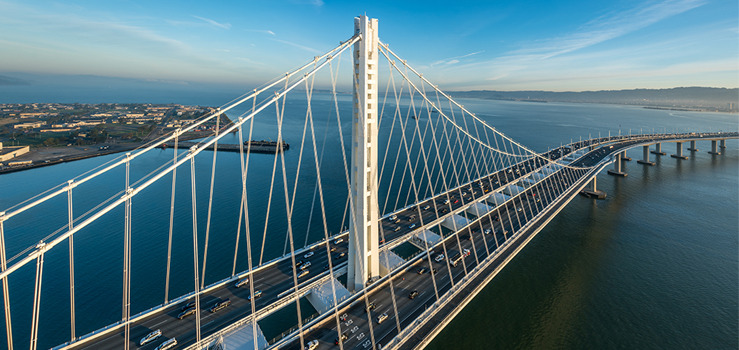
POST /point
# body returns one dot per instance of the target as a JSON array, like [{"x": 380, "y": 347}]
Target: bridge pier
[
  {"x": 679, "y": 151},
  {"x": 692, "y": 147},
  {"x": 714, "y": 150},
  {"x": 646, "y": 160},
  {"x": 658, "y": 149},
  {"x": 363, "y": 228},
  {"x": 723, "y": 144},
  {"x": 624, "y": 157},
  {"x": 616, "y": 171},
  {"x": 594, "y": 192}
]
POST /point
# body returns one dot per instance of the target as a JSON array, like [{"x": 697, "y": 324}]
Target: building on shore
[{"x": 7, "y": 153}]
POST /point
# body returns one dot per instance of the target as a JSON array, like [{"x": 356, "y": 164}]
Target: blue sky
[{"x": 517, "y": 45}]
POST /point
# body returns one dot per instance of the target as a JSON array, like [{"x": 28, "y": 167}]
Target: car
[
  {"x": 382, "y": 241},
  {"x": 426, "y": 207},
  {"x": 242, "y": 282},
  {"x": 371, "y": 307},
  {"x": 413, "y": 294},
  {"x": 220, "y": 305},
  {"x": 381, "y": 318},
  {"x": 188, "y": 305},
  {"x": 396, "y": 229},
  {"x": 466, "y": 252},
  {"x": 338, "y": 240},
  {"x": 306, "y": 265},
  {"x": 393, "y": 217},
  {"x": 456, "y": 201},
  {"x": 308, "y": 255},
  {"x": 311, "y": 344},
  {"x": 412, "y": 218},
  {"x": 519, "y": 209},
  {"x": 298, "y": 263},
  {"x": 488, "y": 231},
  {"x": 464, "y": 193},
  {"x": 412, "y": 226},
  {"x": 257, "y": 294},
  {"x": 186, "y": 313},
  {"x": 396, "y": 221},
  {"x": 170, "y": 343},
  {"x": 341, "y": 255},
  {"x": 421, "y": 271},
  {"x": 343, "y": 337},
  {"x": 333, "y": 249},
  {"x": 439, "y": 258},
  {"x": 150, "y": 337},
  {"x": 303, "y": 273},
  {"x": 433, "y": 271},
  {"x": 325, "y": 267},
  {"x": 446, "y": 201}
]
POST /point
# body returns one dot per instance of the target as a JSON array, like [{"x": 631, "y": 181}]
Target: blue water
[{"x": 652, "y": 266}]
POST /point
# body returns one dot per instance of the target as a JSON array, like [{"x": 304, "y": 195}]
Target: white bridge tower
[{"x": 363, "y": 225}]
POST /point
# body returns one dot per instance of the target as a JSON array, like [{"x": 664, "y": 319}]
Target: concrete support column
[
  {"x": 679, "y": 151},
  {"x": 645, "y": 160},
  {"x": 723, "y": 144},
  {"x": 714, "y": 150},
  {"x": 692, "y": 147},
  {"x": 593, "y": 193},
  {"x": 363, "y": 257},
  {"x": 658, "y": 149},
  {"x": 616, "y": 171}
]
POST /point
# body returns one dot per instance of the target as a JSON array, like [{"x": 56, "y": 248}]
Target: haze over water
[{"x": 652, "y": 266}]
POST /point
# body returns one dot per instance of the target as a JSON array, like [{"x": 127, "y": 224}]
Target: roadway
[
  {"x": 361, "y": 326},
  {"x": 276, "y": 279}
]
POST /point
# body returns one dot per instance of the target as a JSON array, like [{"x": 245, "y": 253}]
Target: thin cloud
[
  {"x": 608, "y": 27},
  {"x": 265, "y": 31},
  {"x": 454, "y": 60},
  {"x": 302, "y": 47},
  {"x": 214, "y": 23}
]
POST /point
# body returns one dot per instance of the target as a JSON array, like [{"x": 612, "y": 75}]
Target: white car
[
  {"x": 167, "y": 344},
  {"x": 439, "y": 258},
  {"x": 311, "y": 344},
  {"x": 308, "y": 255},
  {"x": 150, "y": 337},
  {"x": 305, "y": 265}
]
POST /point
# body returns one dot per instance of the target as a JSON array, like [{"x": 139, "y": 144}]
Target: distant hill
[{"x": 682, "y": 98}]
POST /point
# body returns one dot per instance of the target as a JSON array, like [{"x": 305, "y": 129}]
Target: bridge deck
[{"x": 517, "y": 217}]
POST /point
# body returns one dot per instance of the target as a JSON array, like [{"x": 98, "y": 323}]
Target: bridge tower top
[{"x": 363, "y": 227}]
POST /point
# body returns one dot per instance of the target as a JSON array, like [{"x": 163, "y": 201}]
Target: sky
[{"x": 563, "y": 45}]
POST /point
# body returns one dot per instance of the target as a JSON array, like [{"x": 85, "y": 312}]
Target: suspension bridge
[{"x": 421, "y": 206}]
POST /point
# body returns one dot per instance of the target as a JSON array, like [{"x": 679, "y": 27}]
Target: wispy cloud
[
  {"x": 608, "y": 27},
  {"x": 264, "y": 31},
  {"x": 302, "y": 47},
  {"x": 454, "y": 60},
  {"x": 214, "y": 23},
  {"x": 317, "y": 3},
  {"x": 545, "y": 61}
]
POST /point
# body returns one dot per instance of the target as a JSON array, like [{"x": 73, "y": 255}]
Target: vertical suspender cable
[
  {"x": 127, "y": 258},
  {"x": 37, "y": 295},
  {"x": 71, "y": 259},
  {"x": 6, "y": 295},
  {"x": 195, "y": 245},
  {"x": 171, "y": 217},
  {"x": 210, "y": 200}
]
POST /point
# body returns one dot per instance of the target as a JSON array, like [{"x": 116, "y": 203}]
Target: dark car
[
  {"x": 186, "y": 313},
  {"x": 220, "y": 305},
  {"x": 343, "y": 337},
  {"x": 413, "y": 294},
  {"x": 188, "y": 305},
  {"x": 371, "y": 307}
]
